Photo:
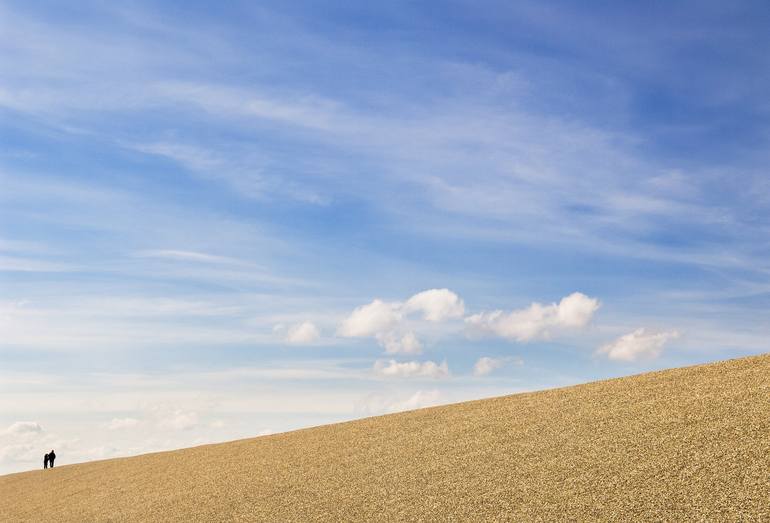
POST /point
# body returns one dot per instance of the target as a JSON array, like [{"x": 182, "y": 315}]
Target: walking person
[
  {"x": 45, "y": 461},
  {"x": 51, "y": 457}
]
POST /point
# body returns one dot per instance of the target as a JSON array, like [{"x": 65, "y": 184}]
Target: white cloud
[
  {"x": 436, "y": 304},
  {"x": 536, "y": 321},
  {"x": 389, "y": 323},
  {"x": 369, "y": 320},
  {"x": 23, "y": 443},
  {"x": 191, "y": 157},
  {"x": 24, "y": 427},
  {"x": 486, "y": 365},
  {"x": 23, "y": 264},
  {"x": 101, "y": 452},
  {"x": 314, "y": 112},
  {"x": 17, "y": 453},
  {"x": 576, "y": 310},
  {"x": 637, "y": 345},
  {"x": 418, "y": 400},
  {"x": 122, "y": 423},
  {"x": 193, "y": 256},
  {"x": 179, "y": 420},
  {"x": 411, "y": 369},
  {"x": 303, "y": 333},
  {"x": 397, "y": 344},
  {"x": 375, "y": 404}
]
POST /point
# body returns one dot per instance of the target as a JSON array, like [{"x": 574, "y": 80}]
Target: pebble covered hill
[{"x": 681, "y": 444}]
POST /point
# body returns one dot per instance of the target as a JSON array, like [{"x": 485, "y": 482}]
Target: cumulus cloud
[
  {"x": 486, "y": 365},
  {"x": 436, "y": 305},
  {"x": 537, "y": 321},
  {"x": 400, "y": 344},
  {"x": 637, "y": 345},
  {"x": 384, "y": 403},
  {"x": 122, "y": 423},
  {"x": 393, "y": 324},
  {"x": 24, "y": 427},
  {"x": 179, "y": 420},
  {"x": 418, "y": 400},
  {"x": 369, "y": 320},
  {"x": 20, "y": 452},
  {"x": 102, "y": 452},
  {"x": 390, "y": 324},
  {"x": 303, "y": 333},
  {"x": 411, "y": 369}
]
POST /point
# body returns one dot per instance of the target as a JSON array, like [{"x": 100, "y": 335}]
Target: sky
[{"x": 225, "y": 220}]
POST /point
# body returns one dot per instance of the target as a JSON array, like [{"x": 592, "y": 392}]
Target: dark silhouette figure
[
  {"x": 51, "y": 457},
  {"x": 45, "y": 461}
]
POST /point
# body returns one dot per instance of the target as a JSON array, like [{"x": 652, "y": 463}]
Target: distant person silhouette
[
  {"x": 45, "y": 461},
  {"x": 51, "y": 457}
]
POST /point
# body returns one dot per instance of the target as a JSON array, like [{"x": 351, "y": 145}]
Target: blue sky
[{"x": 223, "y": 220}]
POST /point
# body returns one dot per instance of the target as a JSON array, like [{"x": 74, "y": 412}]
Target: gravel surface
[{"x": 684, "y": 444}]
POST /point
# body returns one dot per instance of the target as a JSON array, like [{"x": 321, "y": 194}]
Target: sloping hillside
[{"x": 690, "y": 443}]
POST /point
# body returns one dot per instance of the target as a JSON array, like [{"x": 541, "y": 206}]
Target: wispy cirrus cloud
[
  {"x": 302, "y": 110},
  {"x": 24, "y": 264},
  {"x": 193, "y": 256}
]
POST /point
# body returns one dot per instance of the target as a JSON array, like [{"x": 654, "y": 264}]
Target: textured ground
[{"x": 683, "y": 444}]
